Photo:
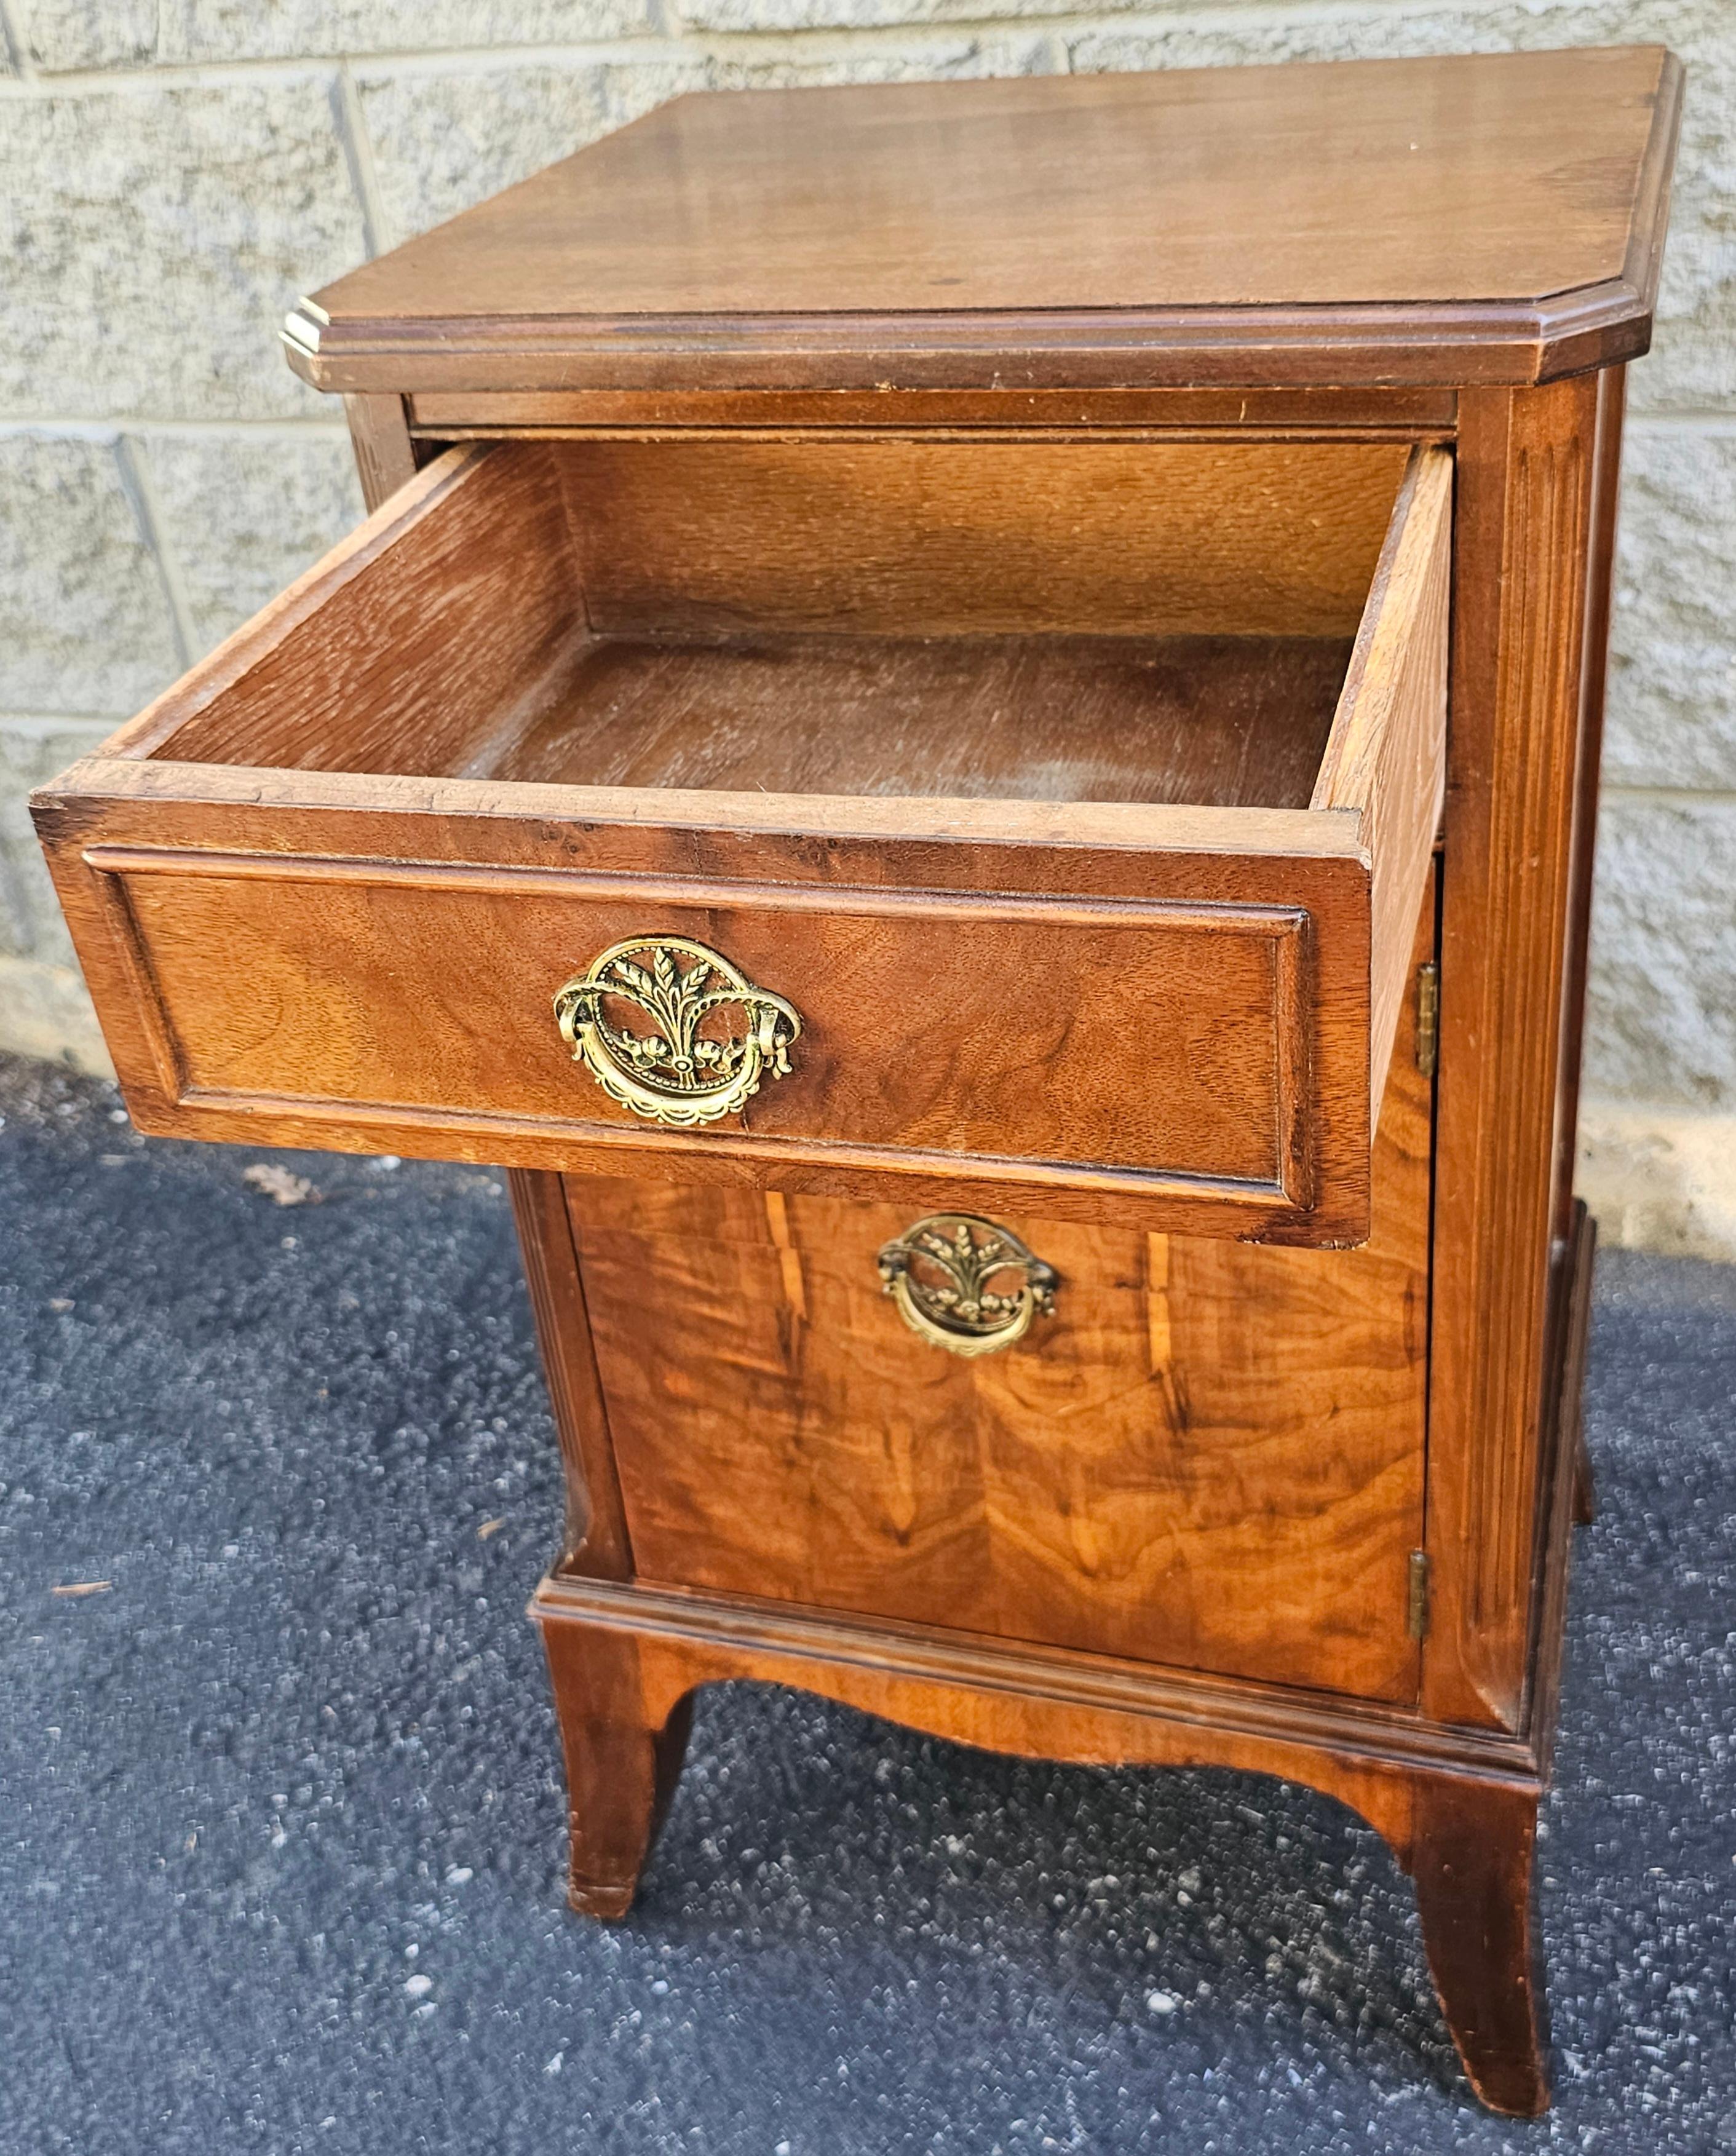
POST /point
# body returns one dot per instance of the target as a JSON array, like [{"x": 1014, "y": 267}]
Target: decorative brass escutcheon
[
  {"x": 964, "y": 1284},
  {"x": 712, "y": 1034}
]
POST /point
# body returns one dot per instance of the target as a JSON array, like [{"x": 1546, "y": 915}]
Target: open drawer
[{"x": 975, "y": 823}]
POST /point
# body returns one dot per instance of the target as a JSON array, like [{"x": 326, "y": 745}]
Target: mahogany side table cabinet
[{"x": 966, "y": 731}]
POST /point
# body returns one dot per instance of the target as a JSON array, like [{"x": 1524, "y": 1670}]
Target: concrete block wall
[{"x": 174, "y": 172}]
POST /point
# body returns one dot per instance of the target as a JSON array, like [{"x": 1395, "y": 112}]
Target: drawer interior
[{"x": 1087, "y": 621}]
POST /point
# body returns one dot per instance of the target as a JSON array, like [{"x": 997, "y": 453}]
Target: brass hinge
[
  {"x": 1428, "y": 1017},
  {"x": 1416, "y": 1608}
]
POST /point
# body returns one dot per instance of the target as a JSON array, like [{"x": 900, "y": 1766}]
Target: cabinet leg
[
  {"x": 1472, "y": 1863},
  {"x": 621, "y": 1768}
]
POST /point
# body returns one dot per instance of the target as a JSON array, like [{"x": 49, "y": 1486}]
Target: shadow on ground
[{"x": 281, "y": 1860}]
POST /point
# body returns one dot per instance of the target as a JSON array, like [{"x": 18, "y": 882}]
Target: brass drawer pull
[
  {"x": 964, "y": 1284},
  {"x": 713, "y": 1035}
]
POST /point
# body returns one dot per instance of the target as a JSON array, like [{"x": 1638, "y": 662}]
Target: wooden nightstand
[{"x": 967, "y": 732}]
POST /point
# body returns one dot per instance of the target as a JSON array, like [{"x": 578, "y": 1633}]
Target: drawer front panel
[{"x": 1139, "y": 1041}]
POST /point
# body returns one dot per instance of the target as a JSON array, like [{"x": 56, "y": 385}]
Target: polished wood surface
[
  {"x": 596, "y": 1524},
  {"x": 704, "y": 542},
  {"x": 330, "y": 1058},
  {"x": 1461, "y": 1818},
  {"x": 1457, "y": 1804},
  {"x": 466, "y": 565},
  {"x": 621, "y": 1771},
  {"x": 1599, "y": 593},
  {"x": 1565, "y": 1493},
  {"x": 1385, "y": 758},
  {"x": 380, "y": 438},
  {"x": 1496, "y": 217},
  {"x": 1166, "y": 1040},
  {"x": 1474, "y": 1847}
]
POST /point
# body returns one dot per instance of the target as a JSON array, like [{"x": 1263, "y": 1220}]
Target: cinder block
[
  {"x": 245, "y": 514},
  {"x": 31, "y": 750},
  {"x": 45, "y": 1012},
  {"x": 154, "y": 238},
  {"x": 95, "y": 34},
  {"x": 442, "y": 139},
  {"x": 961, "y": 54},
  {"x": 1658, "y": 1182},
  {"x": 60, "y": 34},
  {"x": 1662, "y": 1017},
  {"x": 787, "y": 15},
  {"x": 1213, "y": 36},
  {"x": 85, "y": 622},
  {"x": 1673, "y": 674},
  {"x": 1692, "y": 362}
]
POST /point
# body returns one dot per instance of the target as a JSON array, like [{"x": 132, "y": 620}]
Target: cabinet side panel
[{"x": 1526, "y": 499}]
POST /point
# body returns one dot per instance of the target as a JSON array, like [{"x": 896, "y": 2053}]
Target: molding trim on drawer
[
  {"x": 563, "y": 1140},
  {"x": 626, "y": 886}
]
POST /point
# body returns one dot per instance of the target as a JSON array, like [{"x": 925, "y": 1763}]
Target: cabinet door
[{"x": 1210, "y": 1455}]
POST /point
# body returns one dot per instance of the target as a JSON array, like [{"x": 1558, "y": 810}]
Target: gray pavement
[{"x": 280, "y": 1823}]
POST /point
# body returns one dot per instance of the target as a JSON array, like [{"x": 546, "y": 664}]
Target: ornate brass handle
[
  {"x": 713, "y": 1035},
  {"x": 964, "y": 1284}
]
